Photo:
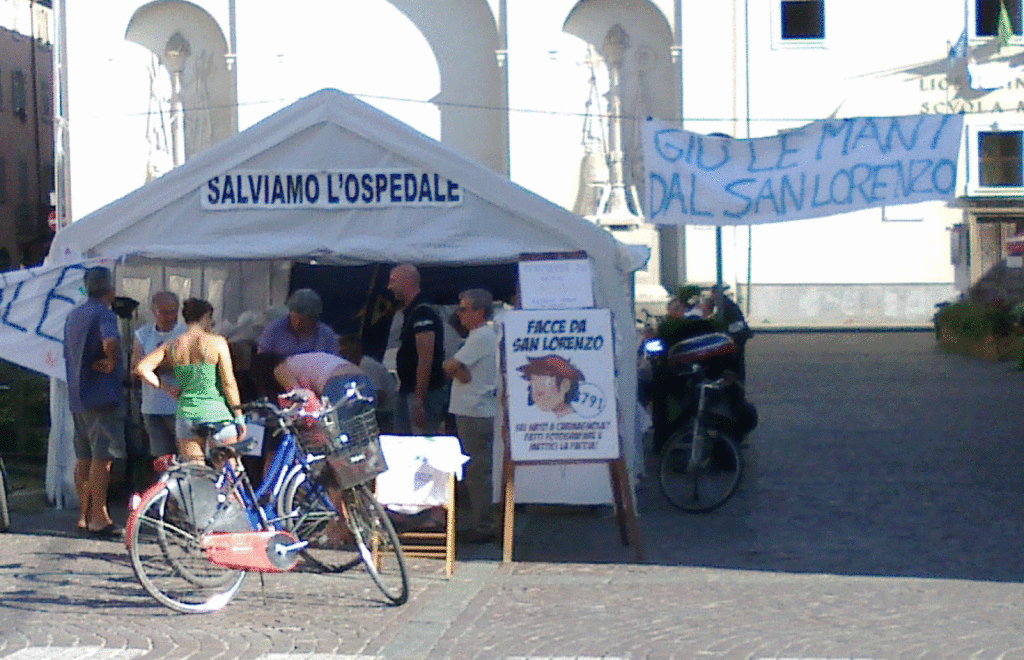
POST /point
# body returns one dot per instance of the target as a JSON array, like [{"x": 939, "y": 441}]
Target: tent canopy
[
  {"x": 329, "y": 131},
  {"x": 333, "y": 131}
]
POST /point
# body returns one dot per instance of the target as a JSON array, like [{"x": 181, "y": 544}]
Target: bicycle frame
[{"x": 700, "y": 417}]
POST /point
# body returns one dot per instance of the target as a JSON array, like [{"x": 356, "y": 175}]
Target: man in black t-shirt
[{"x": 422, "y": 395}]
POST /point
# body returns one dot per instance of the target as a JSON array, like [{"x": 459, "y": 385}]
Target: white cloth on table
[{"x": 418, "y": 469}]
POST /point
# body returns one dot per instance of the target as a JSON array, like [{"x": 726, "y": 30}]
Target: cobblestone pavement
[{"x": 880, "y": 517}]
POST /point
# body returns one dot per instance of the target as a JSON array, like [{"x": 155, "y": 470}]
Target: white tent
[{"x": 168, "y": 222}]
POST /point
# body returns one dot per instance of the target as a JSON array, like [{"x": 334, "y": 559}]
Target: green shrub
[
  {"x": 31, "y": 392},
  {"x": 975, "y": 320}
]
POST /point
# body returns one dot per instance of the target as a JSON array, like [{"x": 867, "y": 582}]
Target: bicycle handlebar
[{"x": 295, "y": 411}]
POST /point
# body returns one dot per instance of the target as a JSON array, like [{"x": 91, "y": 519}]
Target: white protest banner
[
  {"x": 347, "y": 189},
  {"x": 34, "y": 302},
  {"x": 560, "y": 377},
  {"x": 823, "y": 168}
]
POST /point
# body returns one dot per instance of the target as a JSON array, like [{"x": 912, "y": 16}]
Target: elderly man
[
  {"x": 301, "y": 331},
  {"x": 422, "y": 395},
  {"x": 474, "y": 373},
  {"x": 95, "y": 372},
  {"x": 157, "y": 406}
]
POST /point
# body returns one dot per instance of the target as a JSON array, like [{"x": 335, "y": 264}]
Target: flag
[
  {"x": 959, "y": 48},
  {"x": 1005, "y": 28}
]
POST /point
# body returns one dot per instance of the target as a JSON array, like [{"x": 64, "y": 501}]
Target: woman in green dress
[{"x": 206, "y": 391}]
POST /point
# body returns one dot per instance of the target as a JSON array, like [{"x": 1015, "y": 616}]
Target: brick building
[{"x": 26, "y": 131}]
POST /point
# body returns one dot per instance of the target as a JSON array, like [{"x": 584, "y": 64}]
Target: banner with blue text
[
  {"x": 824, "y": 168},
  {"x": 34, "y": 303},
  {"x": 341, "y": 189}
]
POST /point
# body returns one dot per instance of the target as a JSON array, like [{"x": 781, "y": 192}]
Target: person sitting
[{"x": 206, "y": 392}]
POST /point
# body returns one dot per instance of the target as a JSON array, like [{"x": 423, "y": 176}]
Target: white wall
[{"x": 879, "y": 58}]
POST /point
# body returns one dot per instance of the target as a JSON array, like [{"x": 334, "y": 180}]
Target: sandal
[{"x": 111, "y": 531}]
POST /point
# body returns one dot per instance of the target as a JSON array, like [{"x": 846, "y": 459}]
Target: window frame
[
  {"x": 19, "y": 92},
  {"x": 973, "y": 153},
  {"x": 781, "y": 43},
  {"x": 976, "y": 39}
]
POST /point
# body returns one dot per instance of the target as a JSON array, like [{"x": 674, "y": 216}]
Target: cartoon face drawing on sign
[{"x": 554, "y": 383}]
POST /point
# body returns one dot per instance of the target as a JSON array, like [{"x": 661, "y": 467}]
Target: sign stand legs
[{"x": 629, "y": 529}]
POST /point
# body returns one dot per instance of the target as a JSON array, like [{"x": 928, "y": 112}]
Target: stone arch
[
  {"x": 473, "y": 101},
  {"x": 208, "y": 86}
]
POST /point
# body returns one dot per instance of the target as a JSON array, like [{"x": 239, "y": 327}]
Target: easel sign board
[
  {"x": 560, "y": 375},
  {"x": 555, "y": 281}
]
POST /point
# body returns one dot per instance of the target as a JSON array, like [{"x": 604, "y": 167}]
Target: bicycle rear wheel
[
  {"x": 5, "y": 512},
  {"x": 377, "y": 542},
  {"x": 164, "y": 546},
  {"x": 308, "y": 513},
  {"x": 706, "y": 486}
]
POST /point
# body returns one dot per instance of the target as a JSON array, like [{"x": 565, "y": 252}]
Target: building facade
[
  {"x": 26, "y": 132},
  {"x": 552, "y": 93}
]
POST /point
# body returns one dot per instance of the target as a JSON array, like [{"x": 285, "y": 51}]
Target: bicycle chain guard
[{"x": 264, "y": 552}]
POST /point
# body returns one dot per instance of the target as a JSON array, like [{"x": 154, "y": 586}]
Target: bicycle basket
[{"x": 349, "y": 436}]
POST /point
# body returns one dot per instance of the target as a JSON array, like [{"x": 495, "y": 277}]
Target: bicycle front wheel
[
  {"x": 308, "y": 513},
  {"x": 707, "y": 485},
  {"x": 377, "y": 542},
  {"x": 164, "y": 546},
  {"x": 5, "y": 512}
]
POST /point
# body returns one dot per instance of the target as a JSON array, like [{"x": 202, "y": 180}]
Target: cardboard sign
[{"x": 560, "y": 377}]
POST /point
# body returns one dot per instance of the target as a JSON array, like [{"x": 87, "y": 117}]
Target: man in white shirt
[
  {"x": 473, "y": 370},
  {"x": 158, "y": 407}
]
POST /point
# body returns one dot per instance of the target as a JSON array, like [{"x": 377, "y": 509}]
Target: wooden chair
[{"x": 435, "y": 544}]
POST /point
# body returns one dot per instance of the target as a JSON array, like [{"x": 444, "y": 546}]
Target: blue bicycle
[{"x": 194, "y": 536}]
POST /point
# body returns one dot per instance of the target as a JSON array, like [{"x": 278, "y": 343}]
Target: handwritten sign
[
  {"x": 823, "y": 168},
  {"x": 561, "y": 384},
  {"x": 34, "y": 302},
  {"x": 555, "y": 284},
  {"x": 342, "y": 189}
]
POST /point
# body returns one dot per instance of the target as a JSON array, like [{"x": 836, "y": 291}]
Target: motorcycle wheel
[{"x": 707, "y": 485}]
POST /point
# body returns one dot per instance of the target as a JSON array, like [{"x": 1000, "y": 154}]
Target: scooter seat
[{"x": 700, "y": 348}]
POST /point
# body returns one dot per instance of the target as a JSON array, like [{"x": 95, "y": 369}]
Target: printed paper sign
[
  {"x": 560, "y": 377},
  {"x": 824, "y": 168},
  {"x": 555, "y": 284}
]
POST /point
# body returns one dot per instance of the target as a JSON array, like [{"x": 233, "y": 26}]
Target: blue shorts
[
  {"x": 336, "y": 389},
  {"x": 184, "y": 429}
]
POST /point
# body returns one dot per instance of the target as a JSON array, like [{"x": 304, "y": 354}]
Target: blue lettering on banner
[
  {"x": 367, "y": 181},
  {"x": 333, "y": 198},
  {"x": 355, "y": 188},
  {"x": 278, "y": 194},
  {"x": 827, "y": 167},
  {"x": 5, "y": 319},
  {"x": 242, "y": 199},
  {"x": 438, "y": 197},
  {"x": 351, "y": 188},
  {"x": 52, "y": 296},
  {"x": 425, "y": 188}
]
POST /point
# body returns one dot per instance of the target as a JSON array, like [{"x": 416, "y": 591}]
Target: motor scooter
[{"x": 700, "y": 416}]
